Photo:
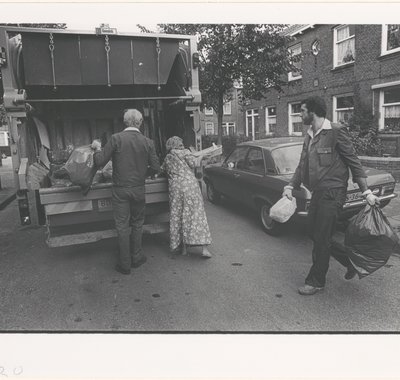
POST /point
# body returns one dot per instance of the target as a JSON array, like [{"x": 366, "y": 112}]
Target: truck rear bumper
[{"x": 91, "y": 237}]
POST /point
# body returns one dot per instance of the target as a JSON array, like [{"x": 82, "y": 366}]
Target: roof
[
  {"x": 274, "y": 143},
  {"x": 294, "y": 29}
]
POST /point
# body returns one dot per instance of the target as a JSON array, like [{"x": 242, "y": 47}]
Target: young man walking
[
  {"x": 132, "y": 154},
  {"x": 326, "y": 158}
]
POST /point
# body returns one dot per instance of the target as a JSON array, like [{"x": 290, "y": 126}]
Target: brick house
[
  {"x": 232, "y": 119},
  {"x": 348, "y": 65}
]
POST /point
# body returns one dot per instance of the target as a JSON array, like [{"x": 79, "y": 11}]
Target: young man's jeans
[
  {"x": 129, "y": 212},
  {"x": 323, "y": 213}
]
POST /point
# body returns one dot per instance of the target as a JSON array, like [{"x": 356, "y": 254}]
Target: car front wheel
[
  {"x": 269, "y": 225},
  {"x": 212, "y": 195}
]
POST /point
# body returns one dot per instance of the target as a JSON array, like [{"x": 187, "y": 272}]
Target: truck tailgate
[{"x": 73, "y": 218}]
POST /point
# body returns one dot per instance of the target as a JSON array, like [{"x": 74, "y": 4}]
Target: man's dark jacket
[
  {"x": 132, "y": 154},
  {"x": 326, "y": 159}
]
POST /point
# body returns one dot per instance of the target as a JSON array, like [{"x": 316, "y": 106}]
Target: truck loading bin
[{"x": 63, "y": 89}]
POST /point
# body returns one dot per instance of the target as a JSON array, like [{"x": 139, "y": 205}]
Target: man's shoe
[
  {"x": 137, "y": 264},
  {"x": 309, "y": 290},
  {"x": 121, "y": 270},
  {"x": 351, "y": 273}
]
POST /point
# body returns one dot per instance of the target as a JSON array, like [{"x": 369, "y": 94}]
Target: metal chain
[
  {"x": 158, "y": 50},
  {"x": 107, "y": 49},
  {"x": 51, "y": 48}
]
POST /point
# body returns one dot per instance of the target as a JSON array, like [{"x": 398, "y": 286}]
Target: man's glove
[
  {"x": 287, "y": 192},
  {"x": 96, "y": 145},
  {"x": 371, "y": 198}
]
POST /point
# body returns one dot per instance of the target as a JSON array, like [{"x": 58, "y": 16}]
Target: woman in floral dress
[{"x": 188, "y": 221}]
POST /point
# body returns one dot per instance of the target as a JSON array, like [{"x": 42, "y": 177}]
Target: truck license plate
[{"x": 104, "y": 204}]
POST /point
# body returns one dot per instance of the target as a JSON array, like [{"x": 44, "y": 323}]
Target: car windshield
[{"x": 287, "y": 158}]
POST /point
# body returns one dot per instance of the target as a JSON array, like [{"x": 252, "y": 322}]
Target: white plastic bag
[{"x": 282, "y": 210}]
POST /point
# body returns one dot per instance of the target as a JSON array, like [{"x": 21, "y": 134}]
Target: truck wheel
[
  {"x": 271, "y": 227},
  {"x": 212, "y": 195}
]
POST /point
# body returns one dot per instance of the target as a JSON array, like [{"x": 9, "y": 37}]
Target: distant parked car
[{"x": 254, "y": 174}]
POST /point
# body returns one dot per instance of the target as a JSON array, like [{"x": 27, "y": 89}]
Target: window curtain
[
  {"x": 297, "y": 123},
  {"x": 344, "y": 116},
  {"x": 393, "y": 37},
  {"x": 392, "y": 112},
  {"x": 345, "y": 51},
  {"x": 343, "y": 33}
]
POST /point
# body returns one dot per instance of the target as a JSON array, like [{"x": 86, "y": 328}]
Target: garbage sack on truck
[
  {"x": 370, "y": 240},
  {"x": 282, "y": 210},
  {"x": 80, "y": 167}
]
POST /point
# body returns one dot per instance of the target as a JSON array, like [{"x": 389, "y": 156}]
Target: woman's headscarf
[{"x": 174, "y": 142}]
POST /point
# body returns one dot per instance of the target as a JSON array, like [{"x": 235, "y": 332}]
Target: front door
[
  {"x": 252, "y": 178},
  {"x": 232, "y": 169}
]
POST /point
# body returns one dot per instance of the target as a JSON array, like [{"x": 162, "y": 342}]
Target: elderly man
[
  {"x": 132, "y": 154},
  {"x": 324, "y": 165}
]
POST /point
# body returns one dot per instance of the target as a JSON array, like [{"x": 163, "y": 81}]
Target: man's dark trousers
[
  {"x": 129, "y": 213},
  {"x": 325, "y": 208}
]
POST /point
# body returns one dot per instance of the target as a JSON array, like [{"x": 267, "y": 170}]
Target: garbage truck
[{"x": 63, "y": 89}]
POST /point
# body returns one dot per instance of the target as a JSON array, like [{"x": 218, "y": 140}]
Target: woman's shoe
[{"x": 206, "y": 253}]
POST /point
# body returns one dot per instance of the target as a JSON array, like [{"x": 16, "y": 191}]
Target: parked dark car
[{"x": 254, "y": 174}]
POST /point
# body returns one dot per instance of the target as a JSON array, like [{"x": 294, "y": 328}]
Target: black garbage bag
[
  {"x": 370, "y": 240},
  {"x": 80, "y": 167}
]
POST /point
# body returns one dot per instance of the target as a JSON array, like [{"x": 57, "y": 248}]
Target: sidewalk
[{"x": 7, "y": 190}]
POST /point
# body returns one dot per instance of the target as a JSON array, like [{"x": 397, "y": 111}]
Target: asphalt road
[{"x": 250, "y": 284}]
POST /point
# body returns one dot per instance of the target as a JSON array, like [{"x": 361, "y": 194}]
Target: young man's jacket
[
  {"x": 132, "y": 154},
  {"x": 326, "y": 159}
]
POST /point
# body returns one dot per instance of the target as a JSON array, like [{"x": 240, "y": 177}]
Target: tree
[{"x": 257, "y": 56}]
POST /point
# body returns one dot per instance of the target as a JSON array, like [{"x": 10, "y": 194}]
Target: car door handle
[{"x": 236, "y": 175}]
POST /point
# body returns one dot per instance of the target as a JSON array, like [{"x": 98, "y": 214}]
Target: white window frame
[
  {"x": 227, "y": 125},
  {"x": 290, "y": 75},
  {"x": 384, "y": 50},
  {"x": 253, "y": 113},
  {"x": 267, "y": 118},
  {"x": 335, "y": 46},
  {"x": 209, "y": 111},
  {"x": 290, "y": 118},
  {"x": 382, "y": 106},
  {"x": 209, "y": 124},
  {"x": 334, "y": 106},
  {"x": 227, "y": 108}
]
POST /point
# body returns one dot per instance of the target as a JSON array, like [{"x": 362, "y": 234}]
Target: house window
[
  {"x": 209, "y": 111},
  {"x": 228, "y": 129},
  {"x": 295, "y": 121},
  {"x": 390, "y": 38},
  {"x": 343, "y": 109},
  {"x": 390, "y": 109},
  {"x": 252, "y": 124},
  {"x": 228, "y": 108},
  {"x": 343, "y": 46},
  {"x": 209, "y": 128},
  {"x": 270, "y": 120},
  {"x": 295, "y": 51}
]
